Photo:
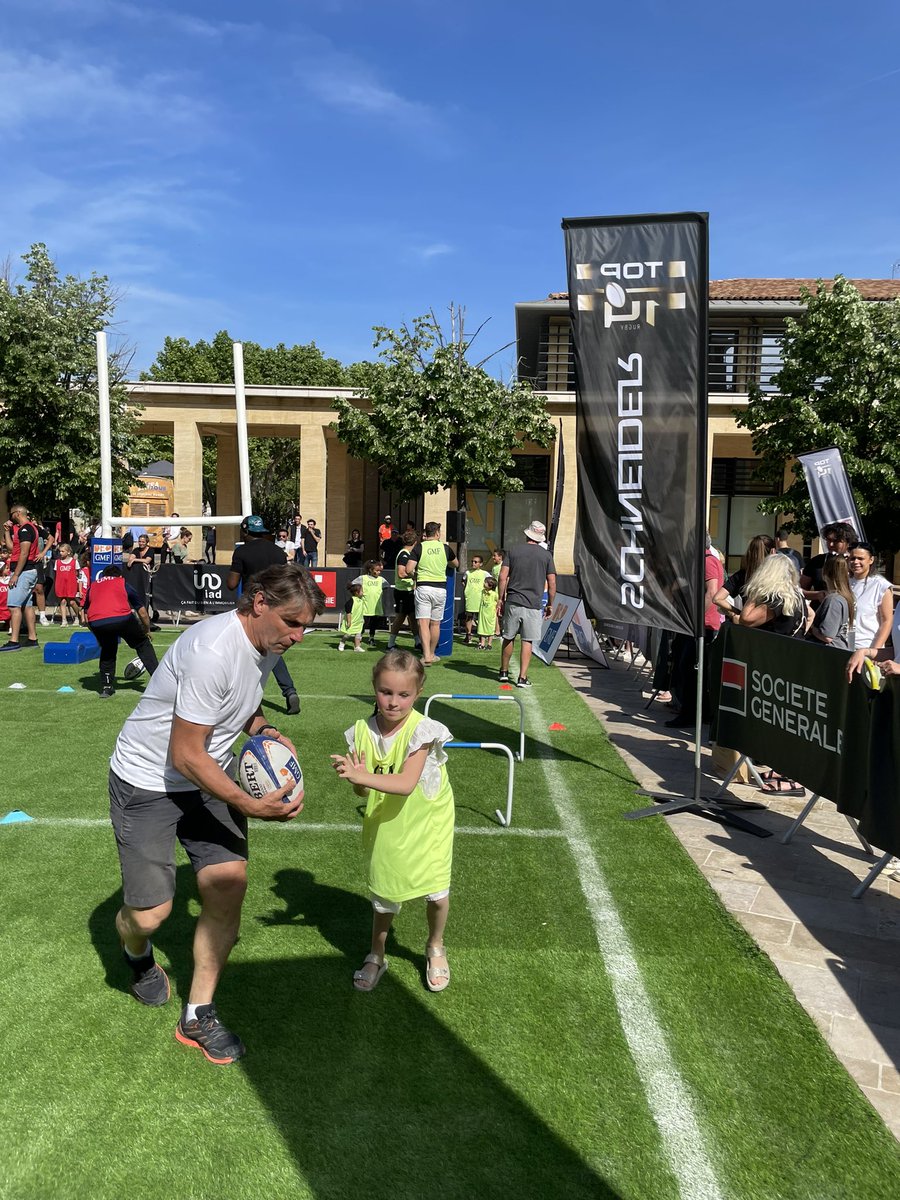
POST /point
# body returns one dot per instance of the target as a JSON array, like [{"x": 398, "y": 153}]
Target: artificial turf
[{"x": 518, "y": 1081}]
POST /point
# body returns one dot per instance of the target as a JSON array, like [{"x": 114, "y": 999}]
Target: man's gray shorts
[
  {"x": 526, "y": 621},
  {"x": 146, "y": 825}
]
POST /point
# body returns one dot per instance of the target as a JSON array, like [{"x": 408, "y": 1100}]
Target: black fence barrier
[{"x": 787, "y": 703}]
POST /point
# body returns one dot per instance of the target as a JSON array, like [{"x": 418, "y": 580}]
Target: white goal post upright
[{"x": 107, "y": 520}]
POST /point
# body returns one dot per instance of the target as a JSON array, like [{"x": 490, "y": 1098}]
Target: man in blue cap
[{"x": 253, "y": 555}]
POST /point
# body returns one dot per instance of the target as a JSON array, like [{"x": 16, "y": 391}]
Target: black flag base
[{"x": 724, "y": 812}]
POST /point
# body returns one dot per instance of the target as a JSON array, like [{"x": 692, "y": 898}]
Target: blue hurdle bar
[
  {"x": 465, "y": 696},
  {"x": 505, "y": 821}
]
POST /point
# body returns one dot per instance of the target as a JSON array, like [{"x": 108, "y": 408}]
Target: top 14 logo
[{"x": 631, "y": 291}]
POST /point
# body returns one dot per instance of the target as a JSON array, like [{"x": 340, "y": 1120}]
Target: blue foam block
[
  {"x": 83, "y": 638},
  {"x": 66, "y": 652},
  {"x": 15, "y": 817}
]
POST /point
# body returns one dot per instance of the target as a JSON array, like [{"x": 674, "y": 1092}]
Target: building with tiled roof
[{"x": 746, "y": 325}]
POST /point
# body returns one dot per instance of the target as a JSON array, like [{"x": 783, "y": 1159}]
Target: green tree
[
  {"x": 839, "y": 386},
  {"x": 181, "y": 361},
  {"x": 274, "y": 462},
  {"x": 49, "y": 406},
  {"x": 437, "y": 420}
]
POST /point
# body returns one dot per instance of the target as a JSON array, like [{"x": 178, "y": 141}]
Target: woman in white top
[{"x": 874, "y": 599}]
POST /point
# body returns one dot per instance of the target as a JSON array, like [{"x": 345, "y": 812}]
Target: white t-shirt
[
  {"x": 212, "y": 676},
  {"x": 868, "y": 594},
  {"x": 288, "y": 547},
  {"x": 172, "y": 532}
]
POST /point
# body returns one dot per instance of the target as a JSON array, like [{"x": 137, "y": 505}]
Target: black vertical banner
[{"x": 638, "y": 296}]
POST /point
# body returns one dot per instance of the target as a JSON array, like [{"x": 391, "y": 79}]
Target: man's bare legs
[{"x": 222, "y": 888}]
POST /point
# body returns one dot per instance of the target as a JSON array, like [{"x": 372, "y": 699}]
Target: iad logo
[
  {"x": 733, "y": 697},
  {"x": 209, "y": 584},
  {"x": 620, "y": 282}
]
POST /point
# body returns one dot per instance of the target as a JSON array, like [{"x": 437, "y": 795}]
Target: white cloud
[
  {"x": 93, "y": 12},
  {"x": 340, "y": 89},
  {"x": 346, "y": 83},
  {"x": 436, "y": 250},
  {"x": 76, "y": 95}
]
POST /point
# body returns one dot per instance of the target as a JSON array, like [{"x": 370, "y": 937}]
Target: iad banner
[
  {"x": 787, "y": 704},
  {"x": 638, "y": 297},
  {"x": 200, "y": 589}
]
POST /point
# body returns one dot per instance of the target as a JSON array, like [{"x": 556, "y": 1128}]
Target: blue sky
[{"x": 297, "y": 170}]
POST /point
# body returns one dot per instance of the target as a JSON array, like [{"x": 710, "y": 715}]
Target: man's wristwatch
[{"x": 263, "y": 728}]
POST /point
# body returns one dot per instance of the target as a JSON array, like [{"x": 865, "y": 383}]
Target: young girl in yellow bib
[{"x": 396, "y": 759}]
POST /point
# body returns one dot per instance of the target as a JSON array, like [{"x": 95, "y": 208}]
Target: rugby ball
[
  {"x": 134, "y": 669},
  {"x": 265, "y": 765}
]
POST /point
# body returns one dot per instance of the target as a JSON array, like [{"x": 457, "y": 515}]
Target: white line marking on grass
[
  {"x": 668, "y": 1096},
  {"x": 301, "y": 826}
]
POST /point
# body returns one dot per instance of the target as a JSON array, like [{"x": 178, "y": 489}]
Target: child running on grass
[
  {"x": 352, "y": 617},
  {"x": 487, "y": 613},
  {"x": 396, "y": 759}
]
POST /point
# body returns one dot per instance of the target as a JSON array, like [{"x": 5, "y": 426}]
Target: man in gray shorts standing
[
  {"x": 171, "y": 775},
  {"x": 526, "y": 572}
]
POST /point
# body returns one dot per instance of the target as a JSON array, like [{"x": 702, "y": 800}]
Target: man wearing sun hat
[{"x": 528, "y": 570}]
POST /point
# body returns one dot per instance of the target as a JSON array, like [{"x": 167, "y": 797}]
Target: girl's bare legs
[
  {"x": 437, "y": 912},
  {"x": 381, "y": 924}
]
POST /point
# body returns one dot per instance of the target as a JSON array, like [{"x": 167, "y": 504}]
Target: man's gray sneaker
[
  {"x": 207, "y": 1033},
  {"x": 150, "y": 983}
]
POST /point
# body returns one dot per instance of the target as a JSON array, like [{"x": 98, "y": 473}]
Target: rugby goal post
[{"x": 107, "y": 520}]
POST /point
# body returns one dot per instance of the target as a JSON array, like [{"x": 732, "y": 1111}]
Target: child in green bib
[
  {"x": 351, "y": 623},
  {"x": 487, "y": 614},
  {"x": 472, "y": 582},
  {"x": 396, "y": 760},
  {"x": 373, "y": 588}
]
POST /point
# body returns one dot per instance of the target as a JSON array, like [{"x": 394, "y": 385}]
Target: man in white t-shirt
[
  {"x": 171, "y": 775},
  {"x": 283, "y": 542}
]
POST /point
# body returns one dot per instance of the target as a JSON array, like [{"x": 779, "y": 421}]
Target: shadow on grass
[
  {"x": 477, "y": 726},
  {"x": 370, "y": 1093}
]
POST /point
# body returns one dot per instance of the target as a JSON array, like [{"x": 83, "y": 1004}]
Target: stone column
[
  {"x": 228, "y": 493},
  {"x": 189, "y": 475},
  {"x": 436, "y": 506},
  {"x": 313, "y": 479},
  {"x": 564, "y": 550},
  {"x": 337, "y": 514}
]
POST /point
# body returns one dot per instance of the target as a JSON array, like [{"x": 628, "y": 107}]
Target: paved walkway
[{"x": 841, "y": 956}]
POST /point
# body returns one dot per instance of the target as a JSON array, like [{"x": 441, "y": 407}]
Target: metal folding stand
[
  {"x": 872, "y": 875},
  {"x": 807, "y": 809},
  {"x": 745, "y": 758},
  {"x": 711, "y": 808}
]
